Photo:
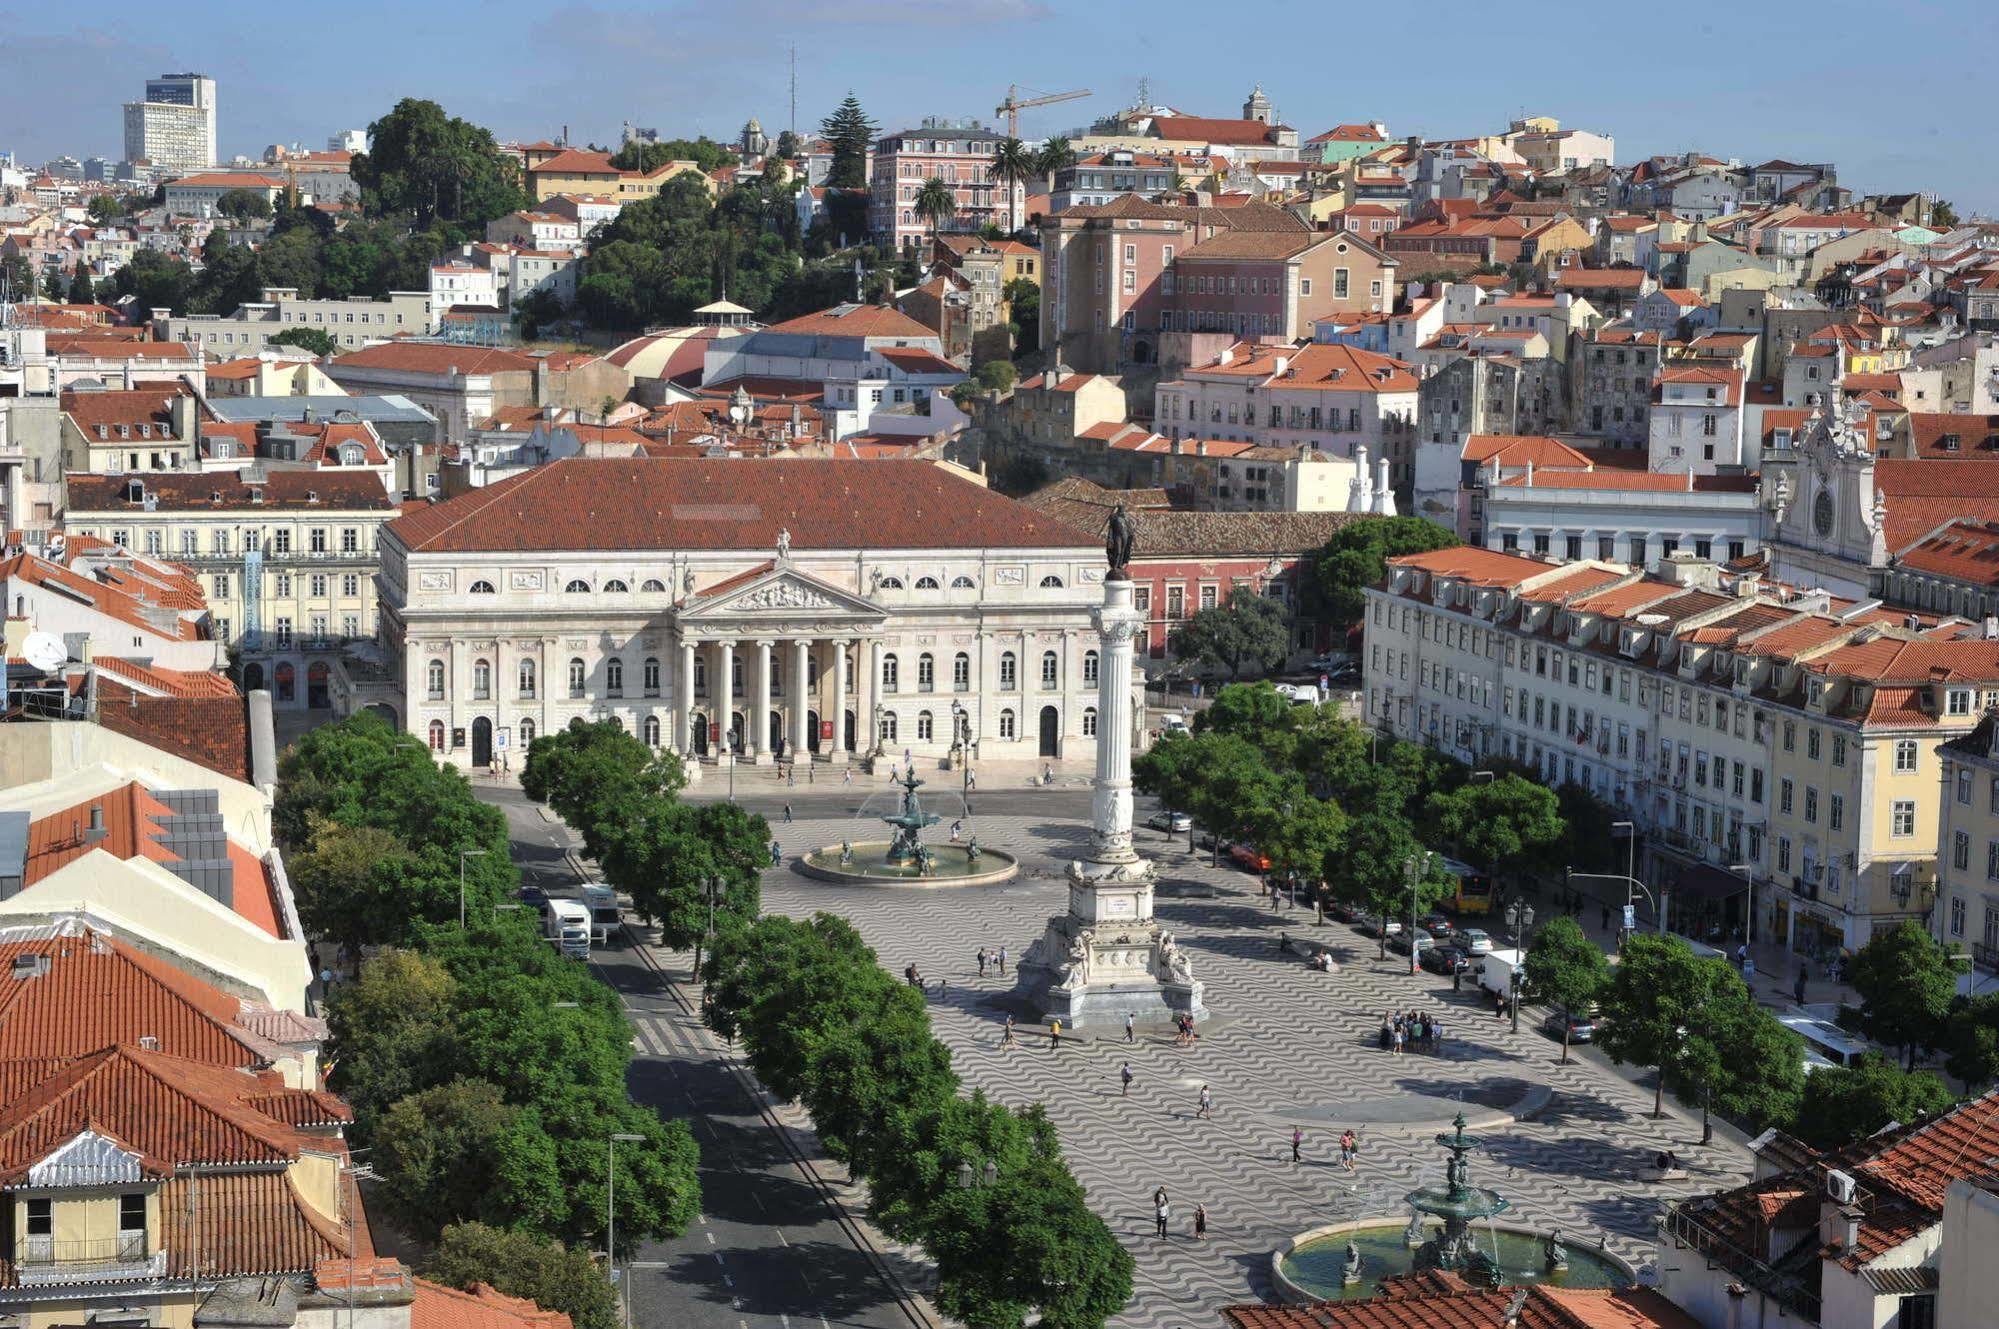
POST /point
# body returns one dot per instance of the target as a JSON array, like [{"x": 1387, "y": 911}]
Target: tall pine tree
[{"x": 851, "y": 135}]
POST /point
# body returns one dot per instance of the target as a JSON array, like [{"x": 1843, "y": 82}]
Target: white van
[
  {"x": 567, "y": 924},
  {"x": 1825, "y": 1042}
]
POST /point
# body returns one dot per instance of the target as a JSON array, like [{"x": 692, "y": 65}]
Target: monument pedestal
[{"x": 1107, "y": 957}]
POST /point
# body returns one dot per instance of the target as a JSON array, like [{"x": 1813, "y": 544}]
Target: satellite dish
[{"x": 45, "y": 651}]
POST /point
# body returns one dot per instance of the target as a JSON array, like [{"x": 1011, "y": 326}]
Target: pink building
[{"x": 959, "y": 154}]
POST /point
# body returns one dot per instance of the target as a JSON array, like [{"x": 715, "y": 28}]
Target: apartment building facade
[
  {"x": 352, "y": 323},
  {"x": 1777, "y": 756},
  {"x": 957, "y": 153}
]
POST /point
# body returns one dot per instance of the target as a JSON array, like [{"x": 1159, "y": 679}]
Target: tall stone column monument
[{"x": 1107, "y": 956}]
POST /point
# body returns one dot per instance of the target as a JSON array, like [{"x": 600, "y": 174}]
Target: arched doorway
[
  {"x": 386, "y": 711},
  {"x": 812, "y": 731},
  {"x": 849, "y": 720},
  {"x": 287, "y": 681},
  {"x": 1051, "y": 732},
  {"x": 698, "y": 727},
  {"x": 482, "y": 742},
  {"x": 736, "y": 731},
  {"x": 774, "y": 740},
  {"x": 253, "y": 676},
  {"x": 318, "y": 695}
]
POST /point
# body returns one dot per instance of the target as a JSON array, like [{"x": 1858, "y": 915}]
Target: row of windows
[
  {"x": 653, "y": 586},
  {"x": 891, "y": 675},
  {"x": 652, "y": 732},
  {"x": 318, "y": 540}
]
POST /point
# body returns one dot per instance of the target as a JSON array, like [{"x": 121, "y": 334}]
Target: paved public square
[{"x": 1287, "y": 1046}]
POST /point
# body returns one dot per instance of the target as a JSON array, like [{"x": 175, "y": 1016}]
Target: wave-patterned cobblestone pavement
[{"x": 1288, "y": 1046}]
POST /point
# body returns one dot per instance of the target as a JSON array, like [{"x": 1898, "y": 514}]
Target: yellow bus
[{"x": 1472, "y": 891}]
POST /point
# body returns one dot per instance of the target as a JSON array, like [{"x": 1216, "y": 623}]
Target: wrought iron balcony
[{"x": 44, "y": 1260}]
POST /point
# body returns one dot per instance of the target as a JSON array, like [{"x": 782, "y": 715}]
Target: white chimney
[
  {"x": 1227, "y": 356},
  {"x": 1283, "y": 363}
]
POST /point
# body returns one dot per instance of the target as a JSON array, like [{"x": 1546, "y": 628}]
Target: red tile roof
[
  {"x": 184, "y": 491},
  {"x": 1966, "y": 551},
  {"x": 99, "y": 990},
  {"x": 857, "y": 321},
  {"x": 914, "y": 360},
  {"x": 1199, "y": 129},
  {"x": 432, "y": 358},
  {"x": 1327, "y": 366},
  {"x": 1600, "y": 279},
  {"x": 440, "y": 1307},
  {"x": 617, "y": 504},
  {"x": 1924, "y": 494},
  {"x": 212, "y": 732}
]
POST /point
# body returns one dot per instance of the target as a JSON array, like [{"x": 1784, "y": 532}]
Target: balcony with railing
[
  {"x": 47, "y": 1261},
  {"x": 1985, "y": 955}
]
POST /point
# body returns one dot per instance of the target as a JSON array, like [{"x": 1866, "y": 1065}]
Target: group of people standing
[
  {"x": 1162, "y": 1214},
  {"x": 1410, "y": 1031}
]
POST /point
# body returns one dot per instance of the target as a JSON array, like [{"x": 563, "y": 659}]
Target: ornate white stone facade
[{"x": 836, "y": 653}]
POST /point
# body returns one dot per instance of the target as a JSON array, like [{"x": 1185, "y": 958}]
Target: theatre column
[
  {"x": 840, "y": 702},
  {"x": 801, "y": 700},
  {"x": 759, "y": 717}
]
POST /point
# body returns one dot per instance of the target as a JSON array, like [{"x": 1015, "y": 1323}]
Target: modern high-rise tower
[{"x": 174, "y": 127}]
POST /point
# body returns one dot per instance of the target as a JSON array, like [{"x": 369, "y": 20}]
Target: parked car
[
  {"x": 1174, "y": 724},
  {"x": 1444, "y": 960},
  {"x": 1399, "y": 943},
  {"x": 1379, "y": 927},
  {"x": 1582, "y": 1028},
  {"x": 1343, "y": 911},
  {"x": 1247, "y": 857},
  {"x": 1472, "y": 941},
  {"x": 1330, "y": 662},
  {"x": 1437, "y": 925},
  {"x": 1171, "y": 822}
]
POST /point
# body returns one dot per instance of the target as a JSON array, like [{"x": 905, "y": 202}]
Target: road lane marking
[{"x": 782, "y": 1242}]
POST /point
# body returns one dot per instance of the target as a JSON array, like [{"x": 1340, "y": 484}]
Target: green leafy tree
[
  {"x": 998, "y": 376},
  {"x": 1298, "y": 832},
  {"x": 520, "y": 1264},
  {"x": 1248, "y": 629},
  {"x": 704, "y": 152},
  {"x": 1565, "y": 968},
  {"x": 1170, "y": 770},
  {"x": 435, "y": 1150},
  {"x": 1023, "y": 301},
  {"x": 1356, "y": 558},
  {"x": 18, "y": 279},
  {"x": 1504, "y": 823},
  {"x": 432, "y": 167},
  {"x": 1852, "y": 1102},
  {"x": 1260, "y": 715},
  {"x": 788, "y": 145},
  {"x": 1971, "y": 1041},
  {"x": 393, "y": 1033},
  {"x": 1370, "y": 870},
  {"x": 1234, "y": 783},
  {"x": 1762, "y": 1064},
  {"x": 316, "y": 340},
  {"x": 1906, "y": 983},
  {"x": 1943, "y": 216},
  {"x": 851, "y": 135},
  {"x": 228, "y": 279},
  {"x": 82, "y": 290},
  {"x": 536, "y": 311},
  {"x": 244, "y": 204},
  {"x": 156, "y": 280},
  {"x": 1013, "y": 165},
  {"x": 937, "y": 203},
  {"x": 1659, "y": 988},
  {"x": 104, "y": 207}
]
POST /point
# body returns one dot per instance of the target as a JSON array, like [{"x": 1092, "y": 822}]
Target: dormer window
[
  {"x": 1815, "y": 692},
  {"x": 1957, "y": 701}
]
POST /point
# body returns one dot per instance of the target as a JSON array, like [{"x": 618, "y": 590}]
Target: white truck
[
  {"x": 605, "y": 917},
  {"x": 567, "y": 924},
  {"x": 1495, "y": 973}
]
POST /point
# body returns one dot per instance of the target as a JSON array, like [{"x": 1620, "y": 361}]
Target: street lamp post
[
  {"x": 464, "y": 854},
  {"x": 711, "y": 890},
  {"x": 1630, "y": 830},
  {"x": 1519, "y": 920},
  {"x": 611, "y": 1218},
  {"x": 1748, "y": 871},
  {"x": 1707, "y": 1090},
  {"x": 985, "y": 1177},
  {"x": 1413, "y": 869}
]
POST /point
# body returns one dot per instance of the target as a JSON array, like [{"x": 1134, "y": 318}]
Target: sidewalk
[{"x": 1776, "y": 968}]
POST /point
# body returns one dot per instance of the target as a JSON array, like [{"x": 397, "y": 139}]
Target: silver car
[
  {"x": 1472, "y": 941},
  {"x": 1173, "y": 823}
]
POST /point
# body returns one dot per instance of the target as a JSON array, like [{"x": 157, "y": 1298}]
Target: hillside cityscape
[{"x": 899, "y": 723}]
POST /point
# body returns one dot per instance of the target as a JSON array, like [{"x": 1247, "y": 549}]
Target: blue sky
[{"x": 1895, "y": 94}]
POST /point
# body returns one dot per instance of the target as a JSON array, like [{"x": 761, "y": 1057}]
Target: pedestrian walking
[
  {"x": 1160, "y": 1213},
  {"x": 1054, "y": 1035},
  {"x": 1398, "y": 1038},
  {"x": 1457, "y": 979},
  {"x": 1002, "y": 961},
  {"x": 776, "y": 854},
  {"x": 1206, "y": 1110},
  {"x": 1349, "y": 1146},
  {"x": 1606, "y": 918},
  {"x": 971, "y": 779},
  {"x": 1124, "y": 1076},
  {"x": 957, "y": 828},
  {"x": 1297, "y": 1145},
  {"x": 787, "y": 813},
  {"x": 1798, "y": 986},
  {"x": 1006, "y": 1034},
  {"x": 847, "y": 776},
  {"x": 791, "y": 777},
  {"x": 1200, "y": 1222},
  {"x": 982, "y": 962},
  {"x": 1129, "y": 1032}
]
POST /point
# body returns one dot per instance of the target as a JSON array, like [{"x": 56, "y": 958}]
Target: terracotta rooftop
[
  {"x": 1966, "y": 551},
  {"x": 212, "y": 732},
  {"x": 440, "y": 1307},
  {"x": 434, "y": 358},
  {"x": 593, "y": 504},
  {"x": 857, "y": 321},
  {"x": 1169, "y": 532},
  {"x": 1325, "y": 366},
  {"x": 196, "y": 491}
]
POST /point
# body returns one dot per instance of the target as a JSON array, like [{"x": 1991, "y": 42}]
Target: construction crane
[{"x": 1013, "y": 105}]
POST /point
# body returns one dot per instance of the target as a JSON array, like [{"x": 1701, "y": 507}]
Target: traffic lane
[{"x": 767, "y": 1245}]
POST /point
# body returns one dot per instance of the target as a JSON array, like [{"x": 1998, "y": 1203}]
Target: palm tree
[
  {"x": 1013, "y": 165},
  {"x": 1055, "y": 154},
  {"x": 936, "y": 203}
]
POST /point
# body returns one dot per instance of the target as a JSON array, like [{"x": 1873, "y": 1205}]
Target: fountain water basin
[
  {"x": 906, "y": 860},
  {"x": 1451, "y": 1228}
]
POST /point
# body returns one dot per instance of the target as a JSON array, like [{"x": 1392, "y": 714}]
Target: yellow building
[
  {"x": 577, "y": 172},
  {"x": 287, "y": 558},
  {"x": 1967, "y": 847}
]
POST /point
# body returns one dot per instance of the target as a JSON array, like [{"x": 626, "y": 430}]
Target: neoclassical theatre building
[{"x": 742, "y": 611}]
